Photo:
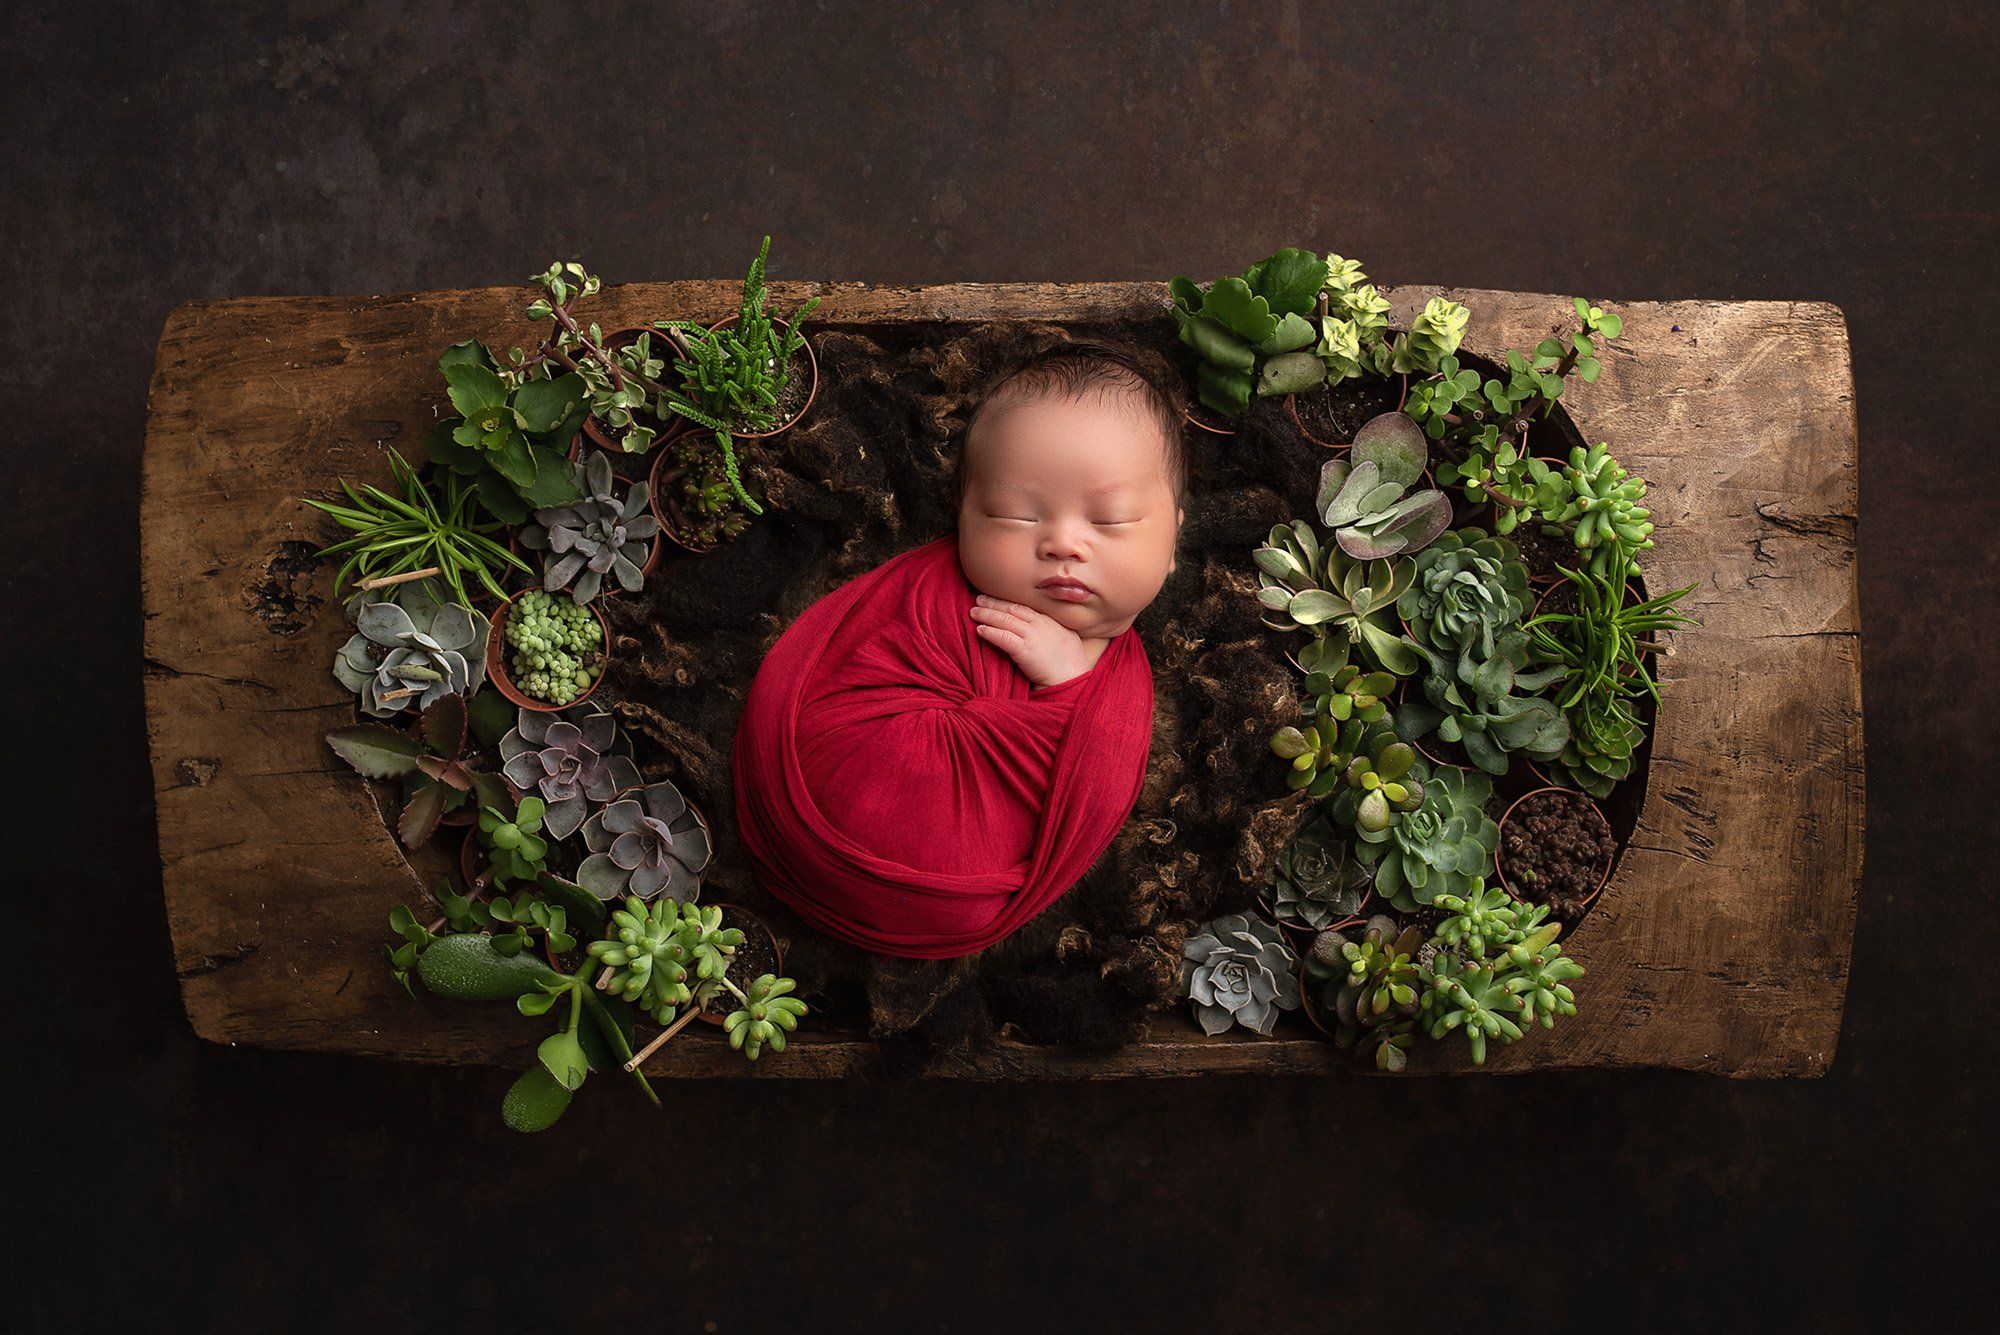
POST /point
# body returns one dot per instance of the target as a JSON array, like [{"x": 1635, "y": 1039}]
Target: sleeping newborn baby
[{"x": 936, "y": 750}]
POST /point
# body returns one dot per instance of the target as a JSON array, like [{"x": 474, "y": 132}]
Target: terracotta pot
[
  {"x": 735, "y": 915},
  {"x": 1499, "y": 863},
  {"x": 666, "y": 506},
  {"x": 1206, "y": 421},
  {"x": 1292, "y": 407},
  {"x": 672, "y": 426},
  {"x": 503, "y": 682},
  {"x": 469, "y": 857},
  {"x": 812, "y": 386},
  {"x": 1311, "y": 1008}
]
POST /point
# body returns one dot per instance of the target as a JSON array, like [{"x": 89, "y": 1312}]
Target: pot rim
[
  {"x": 667, "y": 525},
  {"x": 1292, "y": 407}
]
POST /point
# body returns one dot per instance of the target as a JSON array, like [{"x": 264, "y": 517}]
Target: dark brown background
[{"x": 157, "y": 153}]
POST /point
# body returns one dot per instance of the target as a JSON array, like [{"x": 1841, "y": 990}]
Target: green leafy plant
[
  {"x": 667, "y": 957},
  {"x": 1464, "y": 610},
  {"x": 1380, "y": 786},
  {"x": 1367, "y": 500},
  {"x": 399, "y": 535},
  {"x": 515, "y": 849},
  {"x": 732, "y": 377},
  {"x": 1612, "y": 528},
  {"x": 1434, "y": 335},
  {"x": 512, "y": 436},
  {"x": 1253, "y": 334},
  {"x": 623, "y": 386},
  {"x": 1346, "y": 605},
  {"x": 1320, "y": 752},
  {"x": 429, "y": 761},
  {"x": 1601, "y": 647},
  {"x": 1497, "y": 967}
]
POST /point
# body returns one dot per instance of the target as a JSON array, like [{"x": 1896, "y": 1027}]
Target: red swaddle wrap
[{"x": 901, "y": 785}]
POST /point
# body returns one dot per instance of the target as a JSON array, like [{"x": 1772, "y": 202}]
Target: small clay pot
[
  {"x": 1203, "y": 419},
  {"x": 669, "y": 428},
  {"x": 666, "y": 505},
  {"x": 469, "y": 854},
  {"x": 735, "y": 915},
  {"x": 503, "y": 682},
  {"x": 812, "y": 386},
  {"x": 1500, "y": 865},
  {"x": 1292, "y": 407}
]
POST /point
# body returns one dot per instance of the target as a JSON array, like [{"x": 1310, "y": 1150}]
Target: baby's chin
[{"x": 1091, "y": 619}]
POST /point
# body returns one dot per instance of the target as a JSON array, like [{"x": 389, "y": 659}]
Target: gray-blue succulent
[{"x": 410, "y": 650}]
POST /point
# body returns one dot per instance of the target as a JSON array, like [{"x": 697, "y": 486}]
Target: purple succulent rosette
[
  {"x": 597, "y": 538},
  {"x": 648, "y": 844},
  {"x": 1239, "y": 970},
  {"x": 571, "y": 759}
]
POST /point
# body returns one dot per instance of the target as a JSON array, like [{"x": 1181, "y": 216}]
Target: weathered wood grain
[{"x": 1722, "y": 946}]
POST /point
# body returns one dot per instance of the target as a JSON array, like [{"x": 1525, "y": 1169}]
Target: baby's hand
[{"x": 1047, "y": 652}]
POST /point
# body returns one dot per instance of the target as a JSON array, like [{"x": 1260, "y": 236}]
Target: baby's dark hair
[{"x": 1071, "y": 370}]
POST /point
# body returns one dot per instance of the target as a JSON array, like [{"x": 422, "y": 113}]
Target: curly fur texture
[{"x": 869, "y": 474}]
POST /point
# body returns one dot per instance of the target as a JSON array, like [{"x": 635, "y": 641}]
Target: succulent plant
[
  {"x": 511, "y": 440},
  {"x": 1320, "y": 751},
  {"x": 1238, "y": 970},
  {"x": 595, "y": 537},
  {"x": 515, "y": 849},
  {"x": 1366, "y": 498},
  {"x": 1348, "y": 606},
  {"x": 557, "y": 647},
  {"x": 650, "y": 844},
  {"x": 1381, "y": 785},
  {"x": 766, "y": 1014},
  {"x": 1469, "y": 995},
  {"x": 430, "y": 762},
  {"x": 571, "y": 759},
  {"x": 658, "y": 954},
  {"x": 1464, "y": 612},
  {"x": 1481, "y": 919},
  {"x": 1434, "y": 335},
  {"x": 1317, "y": 880},
  {"x": 1365, "y": 981},
  {"x": 1253, "y": 334},
  {"x": 1601, "y": 647},
  {"x": 1443, "y": 846},
  {"x": 409, "y": 651},
  {"x": 1611, "y": 526}
]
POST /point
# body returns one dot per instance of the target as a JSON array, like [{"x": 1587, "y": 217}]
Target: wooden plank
[{"x": 1722, "y": 945}]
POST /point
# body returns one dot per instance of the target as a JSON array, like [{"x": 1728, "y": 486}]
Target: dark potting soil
[
  {"x": 1335, "y": 415},
  {"x": 798, "y": 389},
  {"x": 868, "y": 474},
  {"x": 1554, "y": 850},
  {"x": 1542, "y": 554}
]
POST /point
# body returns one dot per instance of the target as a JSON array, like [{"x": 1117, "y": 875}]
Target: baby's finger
[
  {"x": 999, "y": 616},
  {"x": 1006, "y": 641},
  {"x": 1012, "y": 609}
]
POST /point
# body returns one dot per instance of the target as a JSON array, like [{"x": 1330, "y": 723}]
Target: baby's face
[{"x": 1074, "y": 488}]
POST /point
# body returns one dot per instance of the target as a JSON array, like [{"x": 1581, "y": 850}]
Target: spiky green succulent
[
  {"x": 1442, "y": 845},
  {"x": 1464, "y": 610},
  {"x": 1498, "y": 966},
  {"x": 665, "y": 955},
  {"x": 1346, "y": 605},
  {"x": 1370, "y": 500}
]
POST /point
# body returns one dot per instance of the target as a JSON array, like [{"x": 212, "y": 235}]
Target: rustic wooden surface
[{"x": 1721, "y": 946}]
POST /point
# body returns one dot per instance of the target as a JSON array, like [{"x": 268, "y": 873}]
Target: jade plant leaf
[
  {"x": 535, "y": 1101},
  {"x": 562, "y": 1056},
  {"x": 1247, "y": 315},
  {"x": 1290, "y": 280}
]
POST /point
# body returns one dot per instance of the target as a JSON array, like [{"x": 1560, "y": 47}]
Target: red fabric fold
[{"x": 900, "y": 783}]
